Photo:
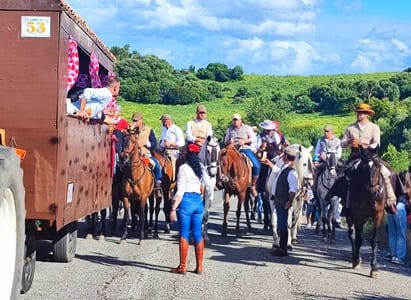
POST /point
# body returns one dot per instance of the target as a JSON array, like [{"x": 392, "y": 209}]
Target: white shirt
[
  {"x": 174, "y": 134},
  {"x": 189, "y": 132},
  {"x": 188, "y": 182},
  {"x": 291, "y": 178}
]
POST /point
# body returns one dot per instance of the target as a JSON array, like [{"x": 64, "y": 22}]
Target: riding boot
[
  {"x": 199, "y": 249},
  {"x": 181, "y": 269},
  {"x": 157, "y": 188},
  {"x": 254, "y": 187}
]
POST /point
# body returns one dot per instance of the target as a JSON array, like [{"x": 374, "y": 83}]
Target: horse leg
[
  {"x": 167, "y": 210},
  {"x": 102, "y": 235},
  {"x": 358, "y": 243},
  {"x": 125, "y": 219},
  {"x": 374, "y": 245},
  {"x": 248, "y": 199},
  {"x": 141, "y": 215},
  {"x": 226, "y": 209},
  {"x": 332, "y": 218},
  {"x": 208, "y": 197},
  {"x": 238, "y": 215}
]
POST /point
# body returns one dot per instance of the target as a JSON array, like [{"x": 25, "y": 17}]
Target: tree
[
  {"x": 221, "y": 72},
  {"x": 205, "y": 74},
  {"x": 388, "y": 90},
  {"x": 237, "y": 73},
  {"x": 398, "y": 160},
  {"x": 403, "y": 81},
  {"x": 367, "y": 89}
]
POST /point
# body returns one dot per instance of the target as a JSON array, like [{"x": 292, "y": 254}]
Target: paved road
[{"x": 236, "y": 268}]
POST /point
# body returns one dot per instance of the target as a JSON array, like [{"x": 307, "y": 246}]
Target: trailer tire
[
  {"x": 12, "y": 222},
  {"x": 29, "y": 263},
  {"x": 65, "y": 243}
]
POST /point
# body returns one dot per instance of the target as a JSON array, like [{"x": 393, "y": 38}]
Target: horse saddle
[{"x": 249, "y": 166}]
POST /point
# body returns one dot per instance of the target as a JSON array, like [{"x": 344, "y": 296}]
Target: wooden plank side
[
  {"x": 28, "y": 82},
  {"x": 88, "y": 170},
  {"x": 30, "y": 4}
]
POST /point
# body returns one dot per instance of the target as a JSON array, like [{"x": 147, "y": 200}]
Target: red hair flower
[{"x": 194, "y": 148}]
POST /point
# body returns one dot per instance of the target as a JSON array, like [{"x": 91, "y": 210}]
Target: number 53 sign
[{"x": 35, "y": 26}]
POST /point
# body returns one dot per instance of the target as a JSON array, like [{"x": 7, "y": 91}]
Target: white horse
[
  {"x": 304, "y": 169},
  {"x": 209, "y": 158}
]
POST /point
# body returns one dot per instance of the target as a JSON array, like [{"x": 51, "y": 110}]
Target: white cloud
[{"x": 349, "y": 5}]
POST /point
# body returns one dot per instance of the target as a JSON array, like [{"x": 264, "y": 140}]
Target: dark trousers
[{"x": 282, "y": 227}]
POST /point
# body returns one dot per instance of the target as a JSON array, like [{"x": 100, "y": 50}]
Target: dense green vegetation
[{"x": 302, "y": 104}]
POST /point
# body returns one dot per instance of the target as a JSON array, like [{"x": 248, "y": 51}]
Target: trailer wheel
[
  {"x": 12, "y": 222},
  {"x": 29, "y": 263},
  {"x": 65, "y": 242}
]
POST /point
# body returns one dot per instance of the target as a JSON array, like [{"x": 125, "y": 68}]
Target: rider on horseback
[
  {"x": 329, "y": 143},
  {"x": 146, "y": 142},
  {"x": 242, "y": 136},
  {"x": 198, "y": 129},
  {"x": 366, "y": 134}
]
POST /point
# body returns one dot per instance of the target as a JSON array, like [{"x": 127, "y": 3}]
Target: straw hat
[{"x": 363, "y": 107}]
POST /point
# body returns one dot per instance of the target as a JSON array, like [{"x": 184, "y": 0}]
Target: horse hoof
[
  {"x": 293, "y": 241},
  {"x": 122, "y": 241},
  {"x": 101, "y": 237},
  {"x": 140, "y": 241},
  {"x": 155, "y": 235},
  {"x": 374, "y": 274},
  {"x": 356, "y": 266},
  {"x": 89, "y": 236}
]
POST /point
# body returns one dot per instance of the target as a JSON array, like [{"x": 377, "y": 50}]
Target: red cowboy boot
[
  {"x": 199, "y": 249},
  {"x": 181, "y": 269}
]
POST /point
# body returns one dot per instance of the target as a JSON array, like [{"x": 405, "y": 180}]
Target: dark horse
[
  {"x": 325, "y": 181},
  {"x": 235, "y": 176},
  {"x": 366, "y": 195},
  {"x": 167, "y": 186},
  {"x": 137, "y": 184}
]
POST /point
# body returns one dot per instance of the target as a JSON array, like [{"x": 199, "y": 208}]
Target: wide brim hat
[
  {"x": 268, "y": 125},
  {"x": 363, "y": 107}
]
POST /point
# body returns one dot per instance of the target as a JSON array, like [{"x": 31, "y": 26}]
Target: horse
[
  {"x": 304, "y": 168},
  {"x": 325, "y": 181},
  {"x": 366, "y": 194},
  {"x": 209, "y": 158},
  {"x": 137, "y": 183},
  {"x": 235, "y": 175},
  {"x": 167, "y": 186}
]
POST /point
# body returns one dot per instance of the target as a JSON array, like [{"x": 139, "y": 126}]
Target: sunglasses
[{"x": 201, "y": 112}]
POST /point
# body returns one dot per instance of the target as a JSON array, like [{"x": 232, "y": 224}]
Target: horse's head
[
  {"x": 304, "y": 165},
  {"x": 332, "y": 164},
  {"x": 209, "y": 155},
  {"x": 130, "y": 145}
]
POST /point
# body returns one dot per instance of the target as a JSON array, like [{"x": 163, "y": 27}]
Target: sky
[{"x": 273, "y": 37}]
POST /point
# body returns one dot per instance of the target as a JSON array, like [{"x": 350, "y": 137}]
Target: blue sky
[{"x": 275, "y": 37}]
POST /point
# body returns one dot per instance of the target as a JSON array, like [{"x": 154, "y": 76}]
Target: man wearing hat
[
  {"x": 366, "y": 134},
  {"x": 198, "y": 129},
  {"x": 171, "y": 139},
  {"x": 242, "y": 136},
  {"x": 268, "y": 142},
  {"x": 284, "y": 190},
  {"x": 146, "y": 142}
]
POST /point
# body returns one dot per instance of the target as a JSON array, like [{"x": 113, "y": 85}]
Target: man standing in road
[{"x": 283, "y": 191}]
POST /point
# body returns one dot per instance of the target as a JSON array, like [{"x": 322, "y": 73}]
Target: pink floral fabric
[
  {"x": 93, "y": 71},
  {"x": 73, "y": 64}
]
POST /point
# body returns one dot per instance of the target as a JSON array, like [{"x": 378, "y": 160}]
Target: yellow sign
[{"x": 35, "y": 26}]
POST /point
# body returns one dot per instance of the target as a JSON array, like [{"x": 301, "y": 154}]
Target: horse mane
[{"x": 303, "y": 154}]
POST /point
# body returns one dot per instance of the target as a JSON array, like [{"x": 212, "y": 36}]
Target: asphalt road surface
[{"x": 234, "y": 268}]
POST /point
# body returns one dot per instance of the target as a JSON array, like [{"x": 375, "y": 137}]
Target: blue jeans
[
  {"x": 256, "y": 164},
  {"x": 282, "y": 226},
  {"x": 190, "y": 216},
  {"x": 157, "y": 169},
  {"x": 396, "y": 231}
]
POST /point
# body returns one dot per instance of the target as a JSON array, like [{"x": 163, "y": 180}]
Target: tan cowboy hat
[
  {"x": 268, "y": 125},
  {"x": 363, "y": 107}
]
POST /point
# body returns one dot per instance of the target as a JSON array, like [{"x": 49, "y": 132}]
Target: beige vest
[
  {"x": 144, "y": 136},
  {"x": 197, "y": 132}
]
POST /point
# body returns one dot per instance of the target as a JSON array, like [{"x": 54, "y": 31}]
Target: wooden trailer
[{"x": 67, "y": 172}]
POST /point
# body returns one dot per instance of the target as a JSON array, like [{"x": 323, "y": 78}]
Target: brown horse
[
  {"x": 138, "y": 182},
  {"x": 167, "y": 186},
  {"x": 366, "y": 195},
  {"x": 234, "y": 174}
]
